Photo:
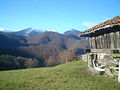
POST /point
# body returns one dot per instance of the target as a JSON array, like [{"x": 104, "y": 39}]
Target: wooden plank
[
  {"x": 93, "y": 42},
  {"x": 90, "y": 42},
  {"x": 112, "y": 40},
  {"x": 107, "y": 37},
  {"x": 104, "y": 37},
  {"x": 96, "y": 38},
  {"x": 99, "y": 44},
  {"x": 109, "y": 41},
  {"x": 117, "y": 38},
  {"x": 103, "y": 41}
]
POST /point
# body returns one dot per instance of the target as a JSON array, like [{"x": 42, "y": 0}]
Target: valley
[{"x": 47, "y": 48}]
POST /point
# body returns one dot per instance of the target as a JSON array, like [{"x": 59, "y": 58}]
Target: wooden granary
[{"x": 103, "y": 56}]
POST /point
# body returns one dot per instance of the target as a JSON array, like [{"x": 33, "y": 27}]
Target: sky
[{"x": 56, "y": 15}]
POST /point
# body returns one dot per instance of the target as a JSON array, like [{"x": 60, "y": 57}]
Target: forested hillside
[{"x": 48, "y": 48}]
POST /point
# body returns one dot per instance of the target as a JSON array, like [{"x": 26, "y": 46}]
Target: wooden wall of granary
[{"x": 106, "y": 41}]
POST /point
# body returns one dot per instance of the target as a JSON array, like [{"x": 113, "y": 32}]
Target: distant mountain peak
[
  {"x": 28, "y": 32},
  {"x": 72, "y": 31}
]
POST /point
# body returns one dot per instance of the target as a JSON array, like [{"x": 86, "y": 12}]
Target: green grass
[{"x": 70, "y": 76}]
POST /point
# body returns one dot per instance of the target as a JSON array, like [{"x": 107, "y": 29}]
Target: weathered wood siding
[{"x": 106, "y": 41}]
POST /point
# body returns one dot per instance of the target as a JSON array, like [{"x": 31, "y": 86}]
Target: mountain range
[
  {"x": 47, "y": 48},
  {"x": 31, "y": 32},
  {"x": 28, "y": 32}
]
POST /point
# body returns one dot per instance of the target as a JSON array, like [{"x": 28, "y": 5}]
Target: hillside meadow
[{"x": 69, "y": 76}]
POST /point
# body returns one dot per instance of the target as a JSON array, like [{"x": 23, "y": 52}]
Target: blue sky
[{"x": 58, "y": 15}]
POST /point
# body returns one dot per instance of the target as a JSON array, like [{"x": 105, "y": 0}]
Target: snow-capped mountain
[{"x": 28, "y": 32}]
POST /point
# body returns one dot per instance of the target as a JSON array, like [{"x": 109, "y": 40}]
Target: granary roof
[{"x": 102, "y": 26}]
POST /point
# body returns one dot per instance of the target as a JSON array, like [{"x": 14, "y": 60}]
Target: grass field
[{"x": 70, "y": 76}]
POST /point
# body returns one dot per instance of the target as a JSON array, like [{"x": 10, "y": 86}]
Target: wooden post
[{"x": 119, "y": 72}]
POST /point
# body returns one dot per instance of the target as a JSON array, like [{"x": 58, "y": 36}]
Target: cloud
[
  {"x": 7, "y": 30},
  {"x": 2, "y": 29},
  {"x": 88, "y": 24}
]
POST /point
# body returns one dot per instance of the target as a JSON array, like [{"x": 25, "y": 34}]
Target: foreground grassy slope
[{"x": 70, "y": 76}]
